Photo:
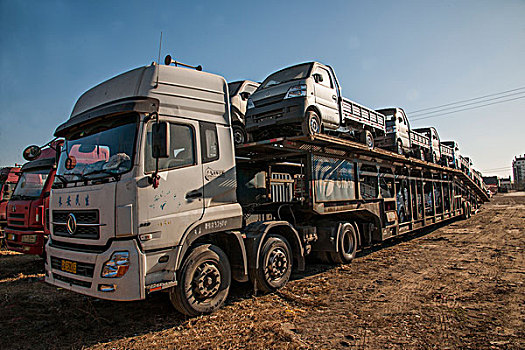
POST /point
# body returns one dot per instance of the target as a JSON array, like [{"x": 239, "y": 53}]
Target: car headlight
[
  {"x": 28, "y": 238},
  {"x": 117, "y": 266},
  {"x": 250, "y": 104},
  {"x": 296, "y": 91}
]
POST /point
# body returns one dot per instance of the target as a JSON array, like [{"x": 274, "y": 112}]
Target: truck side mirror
[
  {"x": 32, "y": 152},
  {"x": 245, "y": 95},
  {"x": 317, "y": 77},
  {"x": 160, "y": 140}
]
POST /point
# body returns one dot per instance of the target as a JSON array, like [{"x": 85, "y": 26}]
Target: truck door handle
[
  {"x": 193, "y": 194},
  {"x": 334, "y": 97}
]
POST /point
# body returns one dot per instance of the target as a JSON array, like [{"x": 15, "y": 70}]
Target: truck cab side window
[
  {"x": 182, "y": 149},
  {"x": 209, "y": 142},
  {"x": 327, "y": 80}
]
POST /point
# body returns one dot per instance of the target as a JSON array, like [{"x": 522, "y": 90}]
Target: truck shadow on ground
[{"x": 36, "y": 315}]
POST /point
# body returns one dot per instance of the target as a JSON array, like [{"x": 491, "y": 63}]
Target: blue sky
[{"x": 412, "y": 54}]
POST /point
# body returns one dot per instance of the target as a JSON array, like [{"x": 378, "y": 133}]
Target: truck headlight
[
  {"x": 249, "y": 104},
  {"x": 117, "y": 266},
  {"x": 296, "y": 91},
  {"x": 28, "y": 239}
]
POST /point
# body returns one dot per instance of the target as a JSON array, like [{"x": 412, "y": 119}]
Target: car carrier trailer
[{"x": 153, "y": 195}]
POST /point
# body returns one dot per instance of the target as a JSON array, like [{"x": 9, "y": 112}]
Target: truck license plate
[
  {"x": 69, "y": 266},
  {"x": 10, "y": 236}
]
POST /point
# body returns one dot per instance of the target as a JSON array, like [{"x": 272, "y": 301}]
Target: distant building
[
  {"x": 491, "y": 180},
  {"x": 505, "y": 185},
  {"x": 518, "y": 170}
]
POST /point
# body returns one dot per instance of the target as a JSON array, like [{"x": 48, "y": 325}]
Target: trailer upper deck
[{"x": 283, "y": 148}]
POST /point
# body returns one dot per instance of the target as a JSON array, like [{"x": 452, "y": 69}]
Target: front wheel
[
  {"x": 311, "y": 124},
  {"x": 399, "y": 148},
  {"x": 204, "y": 281},
  {"x": 275, "y": 264},
  {"x": 367, "y": 138},
  {"x": 239, "y": 135}
]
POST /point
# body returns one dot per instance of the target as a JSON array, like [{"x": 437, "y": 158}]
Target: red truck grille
[{"x": 15, "y": 219}]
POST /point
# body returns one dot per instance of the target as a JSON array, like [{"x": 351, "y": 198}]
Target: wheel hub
[
  {"x": 207, "y": 280},
  {"x": 277, "y": 263},
  {"x": 314, "y": 126},
  {"x": 238, "y": 137}
]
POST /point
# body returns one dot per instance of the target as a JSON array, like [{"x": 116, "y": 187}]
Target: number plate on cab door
[{"x": 69, "y": 266}]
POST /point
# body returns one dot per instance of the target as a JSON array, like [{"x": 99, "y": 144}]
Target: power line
[
  {"x": 468, "y": 100},
  {"x": 467, "y": 109},
  {"x": 467, "y": 104},
  {"x": 497, "y": 169}
]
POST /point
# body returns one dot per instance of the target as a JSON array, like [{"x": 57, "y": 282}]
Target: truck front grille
[
  {"x": 87, "y": 223},
  {"x": 269, "y": 100},
  {"x": 16, "y": 219}
]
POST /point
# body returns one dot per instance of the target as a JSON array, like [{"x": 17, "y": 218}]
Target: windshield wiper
[
  {"x": 62, "y": 178},
  {"x": 22, "y": 197},
  {"x": 103, "y": 171}
]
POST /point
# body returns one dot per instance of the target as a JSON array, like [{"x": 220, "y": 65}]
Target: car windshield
[
  {"x": 234, "y": 87},
  {"x": 100, "y": 149},
  {"x": 293, "y": 73},
  {"x": 30, "y": 184}
]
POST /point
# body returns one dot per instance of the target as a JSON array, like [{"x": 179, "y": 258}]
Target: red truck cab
[
  {"x": 26, "y": 210},
  {"x": 8, "y": 179}
]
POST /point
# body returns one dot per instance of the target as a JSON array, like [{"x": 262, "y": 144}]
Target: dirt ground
[{"x": 460, "y": 286}]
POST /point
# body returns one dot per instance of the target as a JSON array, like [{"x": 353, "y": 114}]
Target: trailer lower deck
[{"x": 317, "y": 181}]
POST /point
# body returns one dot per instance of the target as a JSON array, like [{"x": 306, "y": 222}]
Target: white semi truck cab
[{"x": 140, "y": 178}]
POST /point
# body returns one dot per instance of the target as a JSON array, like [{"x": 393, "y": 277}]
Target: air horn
[{"x": 169, "y": 60}]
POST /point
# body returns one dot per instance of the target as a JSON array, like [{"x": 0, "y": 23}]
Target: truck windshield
[
  {"x": 30, "y": 184},
  {"x": 234, "y": 87},
  {"x": 97, "y": 150},
  {"x": 293, "y": 73},
  {"x": 7, "y": 190}
]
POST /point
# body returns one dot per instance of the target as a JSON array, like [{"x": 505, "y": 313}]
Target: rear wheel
[
  {"x": 275, "y": 264},
  {"x": 367, "y": 138},
  {"x": 204, "y": 281},
  {"x": 346, "y": 246},
  {"x": 311, "y": 124}
]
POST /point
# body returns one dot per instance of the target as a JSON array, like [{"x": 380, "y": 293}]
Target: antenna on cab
[{"x": 158, "y": 60}]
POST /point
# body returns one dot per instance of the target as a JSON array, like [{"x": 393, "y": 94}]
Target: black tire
[
  {"x": 204, "y": 281},
  {"x": 239, "y": 135},
  {"x": 346, "y": 246},
  {"x": 399, "y": 147},
  {"x": 311, "y": 124},
  {"x": 367, "y": 138},
  {"x": 275, "y": 264}
]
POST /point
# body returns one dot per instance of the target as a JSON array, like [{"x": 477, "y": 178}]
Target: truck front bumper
[
  {"x": 288, "y": 111},
  {"x": 81, "y": 271},
  {"x": 27, "y": 242}
]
